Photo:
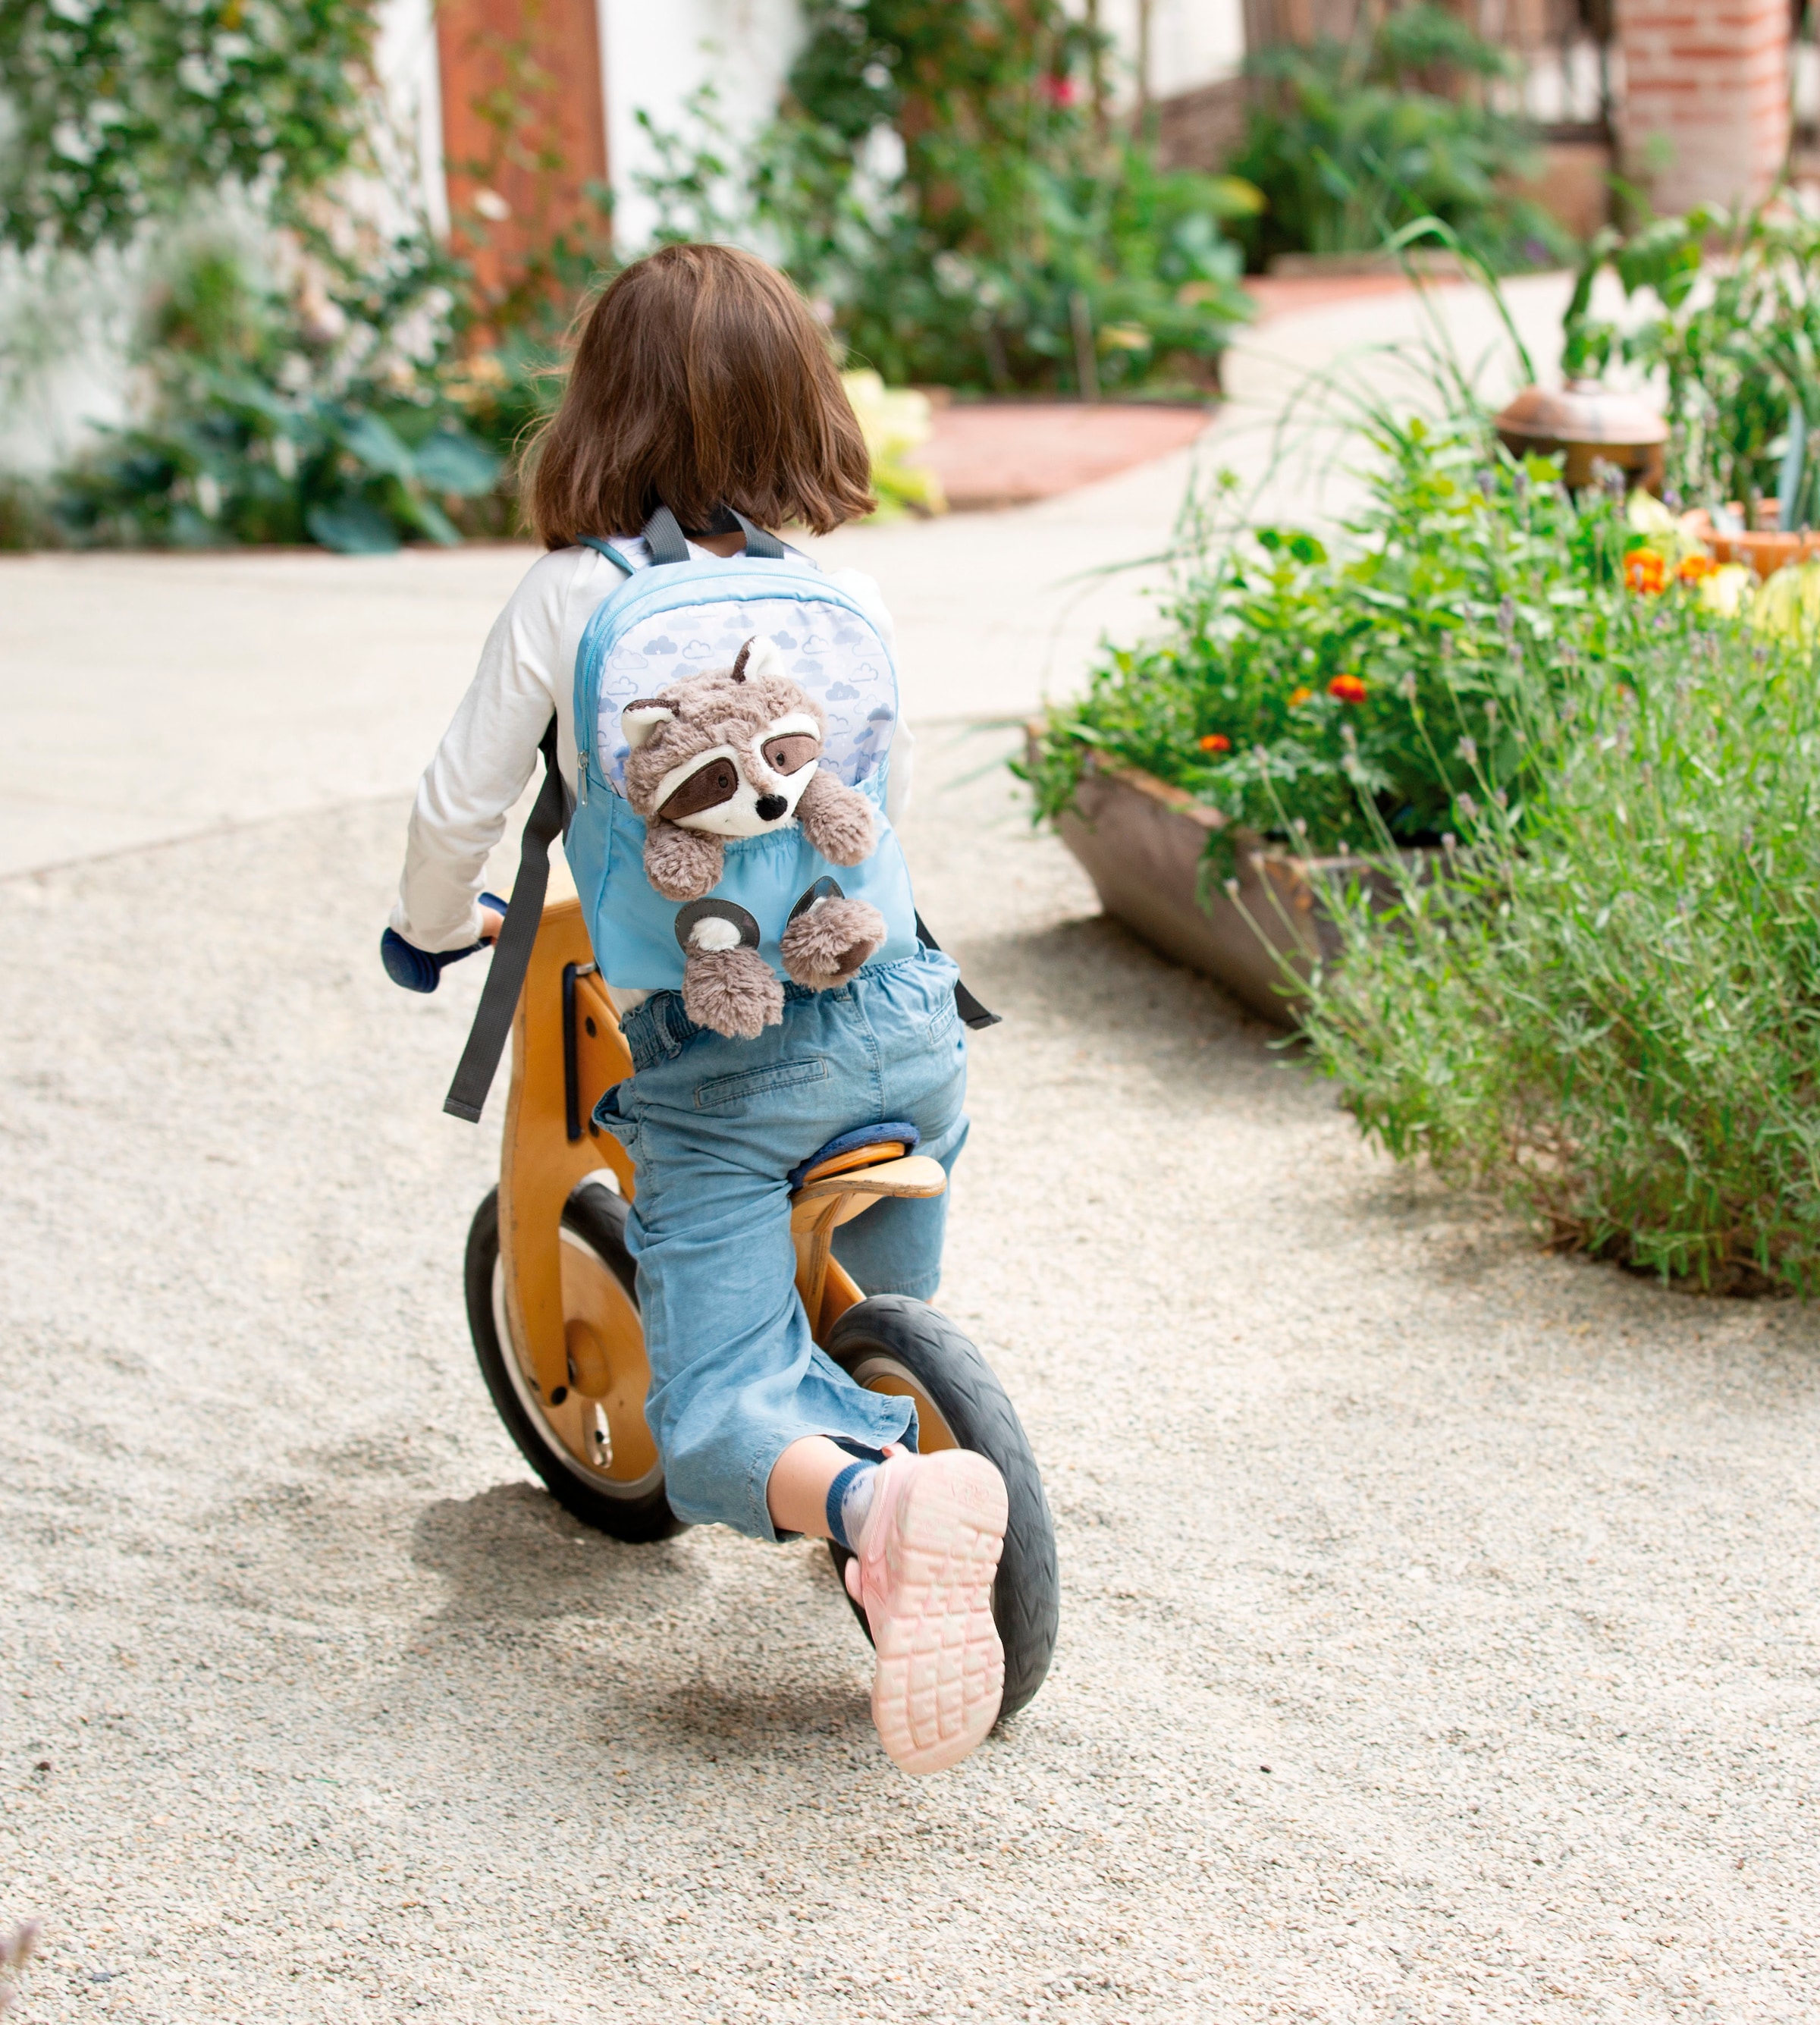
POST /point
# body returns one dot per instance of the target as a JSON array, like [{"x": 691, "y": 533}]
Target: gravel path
[{"x": 1438, "y": 1637}]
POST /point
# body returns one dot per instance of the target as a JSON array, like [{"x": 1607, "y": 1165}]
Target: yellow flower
[
  {"x": 1788, "y": 606},
  {"x": 1298, "y": 696},
  {"x": 1725, "y": 591}
]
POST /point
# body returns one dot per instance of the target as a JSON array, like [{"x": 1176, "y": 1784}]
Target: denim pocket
[
  {"x": 609, "y": 1117},
  {"x": 726, "y": 1089},
  {"x": 944, "y": 1019}
]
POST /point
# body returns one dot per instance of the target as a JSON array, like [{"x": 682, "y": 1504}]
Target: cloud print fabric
[{"x": 833, "y": 653}]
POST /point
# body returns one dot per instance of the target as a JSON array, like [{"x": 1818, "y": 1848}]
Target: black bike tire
[
  {"x": 597, "y": 1216},
  {"x": 965, "y": 1392}
]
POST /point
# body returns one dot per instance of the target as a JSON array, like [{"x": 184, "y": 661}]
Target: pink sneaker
[{"x": 923, "y": 1575}]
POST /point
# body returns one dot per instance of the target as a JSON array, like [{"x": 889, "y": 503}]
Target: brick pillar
[
  {"x": 1703, "y": 114},
  {"x": 524, "y": 129}
]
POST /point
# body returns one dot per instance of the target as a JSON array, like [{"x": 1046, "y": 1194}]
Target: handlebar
[{"x": 421, "y": 970}]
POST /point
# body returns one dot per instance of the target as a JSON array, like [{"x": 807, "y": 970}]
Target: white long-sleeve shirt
[{"x": 527, "y": 670}]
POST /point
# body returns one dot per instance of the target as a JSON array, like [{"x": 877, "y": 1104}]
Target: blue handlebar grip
[{"x": 421, "y": 970}]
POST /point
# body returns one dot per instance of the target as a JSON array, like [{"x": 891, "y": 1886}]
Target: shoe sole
[{"x": 941, "y": 1668}]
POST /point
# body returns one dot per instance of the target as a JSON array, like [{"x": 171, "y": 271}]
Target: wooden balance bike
[{"x": 553, "y": 1301}]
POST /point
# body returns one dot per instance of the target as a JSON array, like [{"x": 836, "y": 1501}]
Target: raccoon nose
[{"x": 771, "y": 807}]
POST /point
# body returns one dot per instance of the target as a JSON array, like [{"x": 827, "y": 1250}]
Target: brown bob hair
[{"x": 701, "y": 379}]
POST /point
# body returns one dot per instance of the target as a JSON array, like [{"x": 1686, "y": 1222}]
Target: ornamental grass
[
  {"x": 1596, "y": 992},
  {"x": 1604, "y": 1003}
]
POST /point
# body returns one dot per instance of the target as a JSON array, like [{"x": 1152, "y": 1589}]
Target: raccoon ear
[
  {"x": 759, "y": 657},
  {"x": 642, "y": 716}
]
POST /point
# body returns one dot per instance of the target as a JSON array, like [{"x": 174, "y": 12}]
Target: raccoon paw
[
  {"x": 733, "y": 991},
  {"x": 837, "y": 820},
  {"x": 828, "y": 943},
  {"x": 680, "y": 863}
]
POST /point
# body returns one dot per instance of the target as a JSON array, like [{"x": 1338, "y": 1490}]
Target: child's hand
[{"x": 491, "y": 922}]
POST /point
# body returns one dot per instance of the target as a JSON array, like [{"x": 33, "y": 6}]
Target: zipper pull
[{"x": 581, "y": 781}]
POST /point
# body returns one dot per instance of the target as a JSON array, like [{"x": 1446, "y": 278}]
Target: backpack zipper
[{"x": 581, "y": 778}]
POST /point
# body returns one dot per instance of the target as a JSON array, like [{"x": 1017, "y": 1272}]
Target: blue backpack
[
  {"x": 670, "y": 620},
  {"x": 676, "y": 619}
]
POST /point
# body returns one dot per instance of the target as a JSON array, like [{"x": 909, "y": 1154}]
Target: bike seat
[
  {"x": 867, "y": 1146},
  {"x": 913, "y": 1174}
]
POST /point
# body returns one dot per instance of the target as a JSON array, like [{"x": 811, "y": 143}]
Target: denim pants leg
[{"x": 714, "y": 1127}]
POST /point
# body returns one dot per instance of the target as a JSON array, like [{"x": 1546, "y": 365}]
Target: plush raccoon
[{"x": 733, "y": 752}]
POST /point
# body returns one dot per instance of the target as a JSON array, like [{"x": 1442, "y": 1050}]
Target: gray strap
[
  {"x": 512, "y": 953},
  {"x": 668, "y": 543},
  {"x": 972, "y": 1013},
  {"x": 758, "y": 542}
]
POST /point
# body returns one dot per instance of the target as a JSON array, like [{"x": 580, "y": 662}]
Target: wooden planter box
[
  {"x": 1767, "y": 551},
  {"x": 1141, "y": 843}
]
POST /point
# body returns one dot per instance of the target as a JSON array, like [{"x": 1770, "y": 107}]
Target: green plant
[
  {"x": 277, "y": 413},
  {"x": 115, "y": 113},
  {"x": 1735, "y": 340},
  {"x": 940, "y": 177},
  {"x": 1309, "y": 694},
  {"x": 1349, "y": 141},
  {"x": 1608, "y": 1011}
]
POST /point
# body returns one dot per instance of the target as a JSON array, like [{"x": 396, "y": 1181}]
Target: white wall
[
  {"x": 405, "y": 59},
  {"x": 657, "y": 52},
  {"x": 1192, "y": 42}
]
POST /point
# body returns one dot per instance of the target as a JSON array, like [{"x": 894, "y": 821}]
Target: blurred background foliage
[
  {"x": 1347, "y": 142},
  {"x": 1731, "y": 332},
  {"x": 956, "y": 184}
]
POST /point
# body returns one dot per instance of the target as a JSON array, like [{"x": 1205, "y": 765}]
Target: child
[{"x": 703, "y": 384}]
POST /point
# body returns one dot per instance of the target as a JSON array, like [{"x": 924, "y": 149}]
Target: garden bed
[{"x": 1143, "y": 844}]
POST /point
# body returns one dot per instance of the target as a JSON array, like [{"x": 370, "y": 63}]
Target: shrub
[
  {"x": 943, "y": 178},
  {"x": 1735, "y": 338},
  {"x": 305, "y": 407},
  {"x": 116, "y": 112},
  {"x": 1296, "y": 690},
  {"x": 1348, "y": 142},
  {"x": 1609, "y": 1010},
  {"x": 222, "y": 161}
]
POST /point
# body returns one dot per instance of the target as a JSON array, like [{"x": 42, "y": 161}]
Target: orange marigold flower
[
  {"x": 1696, "y": 569},
  {"x": 1647, "y": 571},
  {"x": 1346, "y": 688},
  {"x": 1217, "y": 741},
  {"x": 1298, "y": 696}
]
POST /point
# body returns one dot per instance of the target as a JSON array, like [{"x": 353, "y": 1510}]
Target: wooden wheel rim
[
  {"x": 602, "y": 1435},
  {"x": 880, "y": 1372}
]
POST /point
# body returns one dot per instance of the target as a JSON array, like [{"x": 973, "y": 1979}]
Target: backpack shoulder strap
[
  {"x": 607, "y": 548},
  {"x": 511, "y": 955},
  {"x": 972, "y": 1013}
]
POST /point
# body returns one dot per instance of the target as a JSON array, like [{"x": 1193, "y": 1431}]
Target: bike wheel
[
  {"x": 891, "y": 1343},
  {"x": 589, "y": 1443}
]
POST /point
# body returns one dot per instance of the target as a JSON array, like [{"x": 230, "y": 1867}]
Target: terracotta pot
[
  {"x": 1584, "y": 422},
  {"x": 1766, "y": 550},
  {"x": 1141, "y": 843}
]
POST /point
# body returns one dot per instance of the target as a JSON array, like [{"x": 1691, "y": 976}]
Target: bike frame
[{"x": 567, "y": 1053}]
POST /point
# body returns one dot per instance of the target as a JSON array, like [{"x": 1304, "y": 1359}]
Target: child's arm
[{"x": 482, "y": 766}]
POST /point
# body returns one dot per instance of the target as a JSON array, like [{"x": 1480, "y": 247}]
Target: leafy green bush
[
  {"x": 1295, "y": 689},
  {"x": 290, "y": 359},
  {"x": 284, "y": 414},
  {"x": 1348, "y": 143},
  {"x": 1735, "y": 338},
  {"x": 942, "y": 179},
  {"x": 115, "y": 112},
  {"x": 1610, "y": 1011}
]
